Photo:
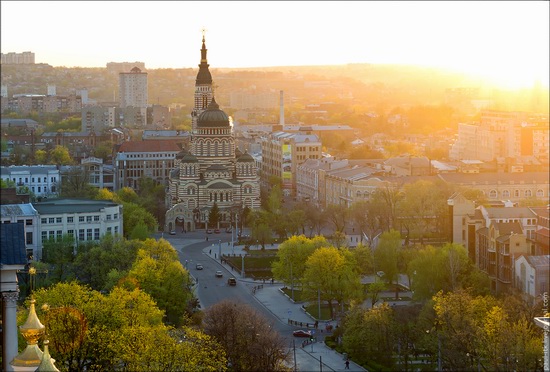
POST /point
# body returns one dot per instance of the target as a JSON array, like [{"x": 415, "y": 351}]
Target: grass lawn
[
  {"x": 313, "y": 309},
  {"x": 297, "y": 293},
  {"x": 257, "y": 265}
]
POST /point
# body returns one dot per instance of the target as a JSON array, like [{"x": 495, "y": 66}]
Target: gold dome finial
[
  {"x": 32, "y": 330},
  {"x": 47, "y": 363}
]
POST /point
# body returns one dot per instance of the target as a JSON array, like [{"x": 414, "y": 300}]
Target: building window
[
  {"x": 81, "y": 234},
  {"x": 109, "y": 230},
  {"x": 88, "y": 218},
  {"x": 70, "y": 233},
  {"x": 44, "y": 221},
  {"x": 492, "y": 194},
  {"x": 540, "y": 193},
  {"x": 108, "y": 217},
  {"x": 51, "y": 220},
  {"x": 115, "y": 216},
  {"x": 59, "y": 235},
  {"x": 96, "y": 218},
  {"x": 89, "y": 234},
  {"x": 528, "y": 193},
  {"x": 96, "y": 234},
  {"x": 44, "y": 236},
  {"x": 116, "y": 230},
  {"x": 70, "y": 219},
  {"x": 80, "y": 218},
  {"x": 506, "y": 194},
  {"x": 59, "y": 219},
  {"x": 516, "y": 193},
  {"x": 28, "y": 237}
]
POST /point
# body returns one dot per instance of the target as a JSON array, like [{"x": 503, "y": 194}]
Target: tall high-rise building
[{"x": 133, "y": 88}]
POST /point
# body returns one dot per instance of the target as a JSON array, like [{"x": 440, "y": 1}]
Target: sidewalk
[{"x": 309, "y": 357}]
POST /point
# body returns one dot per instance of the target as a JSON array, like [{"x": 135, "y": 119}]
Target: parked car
[
  {"x": 219, "y": 274},
  {"x": 198, "y": 267},
  {"x": 232, "y": 281},
  {"x": 209, "y": 231},
  {"x": 216, "y": 231},
  {"x": 301, "y": 333},
  {"x": 173, "y": 232}
]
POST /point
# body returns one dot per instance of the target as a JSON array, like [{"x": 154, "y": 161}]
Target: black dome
[
  {"x": 246, "y": 157},
  {"x": 213, "y": 116}
]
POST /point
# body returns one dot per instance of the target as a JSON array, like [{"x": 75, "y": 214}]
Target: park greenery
[
  {"x": 451, "y": 301},
  {"x": 110, "y": 305}
]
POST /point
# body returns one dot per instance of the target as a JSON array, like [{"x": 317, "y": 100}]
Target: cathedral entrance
[{"x": 179, "y": 218}]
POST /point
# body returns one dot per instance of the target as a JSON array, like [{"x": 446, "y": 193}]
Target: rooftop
[{"x": 57, "y": 206}]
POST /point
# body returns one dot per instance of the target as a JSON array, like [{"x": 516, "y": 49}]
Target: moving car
[
  {"x": 301, "y": 333},
  {"x": 219, "y": 274},
  {"x": 173, "y": 232},
  {"x": 232, "y": 281},
  {"x": 198, "y": 267}
]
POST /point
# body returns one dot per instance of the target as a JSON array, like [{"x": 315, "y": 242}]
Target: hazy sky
[{"x": 507, "y": 40}]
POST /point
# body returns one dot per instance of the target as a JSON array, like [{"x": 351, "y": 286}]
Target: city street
[{"x": 193, "y": 249}]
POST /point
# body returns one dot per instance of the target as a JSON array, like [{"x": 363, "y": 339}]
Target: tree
[
  {"x": 364, "y": 258},
  {"x": 386, "y": 257},
  {"x": 75, "y": 183},
  {"x": 214, "y": 215},
  {"x": 59, "y": 254},
  {"x": 40, "y": 156},
  {"x": 478, "y": 331},
  {"x": 158, "y": 272},
  {"x": 292, "y": 255},
  {"x": 249, "y": 341},
  {"x": 368, "y": 334},
  {"x": 331, "y": 275},
  {"x": 59, "y": 155},
  {"x": 374, "y": 289},
  {"x": 96, "y": 263},
  {"x": 6, "y": 183},
  {"x": 135, "y": 215},
  {"x": 338, "y": 215},
  {"x": 91, "y": 331}
]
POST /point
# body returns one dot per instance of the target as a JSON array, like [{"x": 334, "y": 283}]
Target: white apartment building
[
  {"x": 83, "y": 219},
  {"x": 42, "y": 180},
  {"x": 28, "y": 216},
  {"x": 133, "y": 88}
]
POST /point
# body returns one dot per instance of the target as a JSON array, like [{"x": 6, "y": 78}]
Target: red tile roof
[{"x": 149, "y": 146}]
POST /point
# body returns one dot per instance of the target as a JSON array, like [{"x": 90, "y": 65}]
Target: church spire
[{"x": 203, "y": 77}]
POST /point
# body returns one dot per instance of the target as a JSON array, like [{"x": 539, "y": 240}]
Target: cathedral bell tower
[{"x": 203, "y": 88}]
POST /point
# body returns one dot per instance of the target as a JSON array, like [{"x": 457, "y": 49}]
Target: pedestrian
[
  {"x": 347, "y": 364},
  {"x": 210, "y": 252}
]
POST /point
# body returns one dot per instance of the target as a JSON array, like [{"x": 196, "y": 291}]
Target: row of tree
[
  {"x": 333, "y": 274},
  {"x": 457, "y": 329}
]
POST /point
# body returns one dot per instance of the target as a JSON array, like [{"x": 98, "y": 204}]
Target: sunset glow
[{"x": 505, "y": 41}]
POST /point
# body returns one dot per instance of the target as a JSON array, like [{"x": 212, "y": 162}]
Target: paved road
[{"x": 193, "y": 248}]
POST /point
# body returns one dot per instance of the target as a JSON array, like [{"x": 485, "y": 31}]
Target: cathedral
[{"x": 211, "y": 171}]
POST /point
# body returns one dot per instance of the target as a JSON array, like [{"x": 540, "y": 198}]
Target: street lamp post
[
  {"x": 220, "y": 249},
  {"x": 242, "y": 268}
]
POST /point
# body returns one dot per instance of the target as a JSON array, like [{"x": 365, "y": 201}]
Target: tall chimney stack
[{"x": 282, "y": 110}]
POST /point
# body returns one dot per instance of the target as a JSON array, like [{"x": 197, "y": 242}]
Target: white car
[
  {"x": 198, "y": 267},
  {"x": 219, "y": 274}
]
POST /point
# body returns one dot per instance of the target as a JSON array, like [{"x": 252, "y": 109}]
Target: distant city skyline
[{"x": 507, "y": 41}]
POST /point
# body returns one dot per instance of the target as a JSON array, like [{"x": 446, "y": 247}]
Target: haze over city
[{"x": 505, "y": 41}]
